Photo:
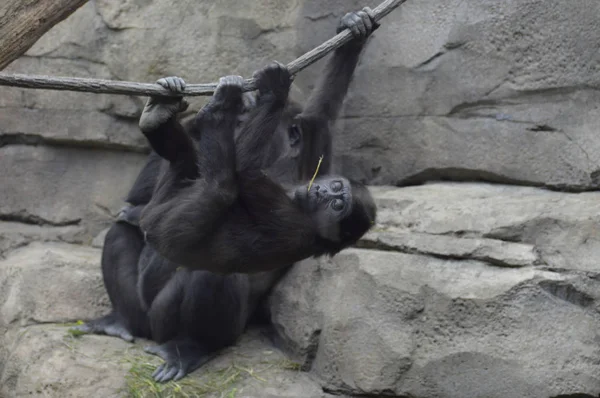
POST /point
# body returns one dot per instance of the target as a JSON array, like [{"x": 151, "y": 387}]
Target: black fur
[
  {"x": 192, "y": 314},
  {"x": 244, "y": 220}
]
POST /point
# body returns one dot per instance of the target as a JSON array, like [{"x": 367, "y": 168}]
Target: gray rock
[
  {"x": 44, "y": 285},
  {"x": 98, "y": 241},
  {"x": 480, "y": 291},
  {"x": 133, "y": 41},
  {"x": 471, "y": 90},
  {"x": 561, "y": 227},
  {"x": 497, "y": 252},
  {"x": 51, "y": 282},
  {"x": 372, "y": 322},
  {"x": 65, "y": 186},
  {"x": 460, "y": 90},
  {"x": 462, "y": 290},
  {"x": 45, "y": 360},
  {"x": 16, "y": 234}
]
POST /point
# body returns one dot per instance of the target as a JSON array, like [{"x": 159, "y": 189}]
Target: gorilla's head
[{"x": 341, "y": 209}]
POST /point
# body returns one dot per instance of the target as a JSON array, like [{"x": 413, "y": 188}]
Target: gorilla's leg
[
  {"x": 200, "y": 184},
  {"x": 193, "y": 317},
  {"x": 154, "y": 273},
  {"x": 111, "y": 325},
  {"x": 122, "y": 247}
]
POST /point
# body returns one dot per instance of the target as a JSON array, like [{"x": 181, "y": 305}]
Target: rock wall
[{"x": 462, "y": 289}]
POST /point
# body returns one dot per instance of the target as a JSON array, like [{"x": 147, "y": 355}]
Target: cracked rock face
[
  {"x": 460, "y": 291},
  {"x": 460, "y": 90},
  {"x": 475, "y": 90},
  {"x": 46, "y": 286},
  {"x": 61, "y": 187}
]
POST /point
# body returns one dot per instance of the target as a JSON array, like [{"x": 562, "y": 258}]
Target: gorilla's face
[{"x": 328, "y": 201}]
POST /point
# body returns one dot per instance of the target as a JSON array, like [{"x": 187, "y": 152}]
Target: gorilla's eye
[
  {"x": 336, "y": 186},
  {"x": 337, "y": 204},
  {"x": 294, "y": 134}
]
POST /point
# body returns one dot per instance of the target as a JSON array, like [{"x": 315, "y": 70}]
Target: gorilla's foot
[
  {"x": 182, "y": 356},
  {"x": 109, "y": 325}
]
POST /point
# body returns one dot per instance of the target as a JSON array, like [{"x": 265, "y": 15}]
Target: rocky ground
[
  {"x": 461, "y": 290},
  {"x": 46, "y": 287}
]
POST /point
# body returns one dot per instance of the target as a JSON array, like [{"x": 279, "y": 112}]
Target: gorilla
[
  {"x": 231, "y": 202},
  {"x": 228, "y": 191}
]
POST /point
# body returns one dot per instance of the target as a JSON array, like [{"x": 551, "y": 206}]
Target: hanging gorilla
[{"x": 227, "y": 192}]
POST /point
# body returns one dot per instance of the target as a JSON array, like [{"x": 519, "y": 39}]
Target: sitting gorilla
[{"x": 214, "y": 170}]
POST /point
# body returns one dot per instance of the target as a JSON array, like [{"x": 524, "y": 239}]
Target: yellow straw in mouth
[{"x": 315, "y": 175}]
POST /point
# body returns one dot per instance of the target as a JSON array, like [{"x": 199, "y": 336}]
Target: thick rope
[{"x": 151, "y": 89}]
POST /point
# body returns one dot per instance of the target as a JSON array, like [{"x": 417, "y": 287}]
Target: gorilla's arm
[
  {"x": 164, "y": 133},
  {"x": 326, "y": 99},
  {"x": 185, "y": 207},
  {"x": 257, "y": 134}
]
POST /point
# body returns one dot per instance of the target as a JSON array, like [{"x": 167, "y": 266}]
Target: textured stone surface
[
  {"x": 480, "y": 291},
  {"x": 464, "y": 90},
  {"x": 51, "y": 282},
  {"x": 473, "y": 90},
  {"x": 65, "y": 186},
  {"x": 563, "y": 228},
  {"x": 46, "y": 361},
  {"x": 44, "y": 285},
  {"x": 17, "y": 234},
  {"x": 462, "y": 290},
  {"x": 373, "y": 322}
]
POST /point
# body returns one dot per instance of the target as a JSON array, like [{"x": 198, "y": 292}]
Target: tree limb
[
  {"x": 152, "y": 89},
  {"x": 23, "y": 22}
]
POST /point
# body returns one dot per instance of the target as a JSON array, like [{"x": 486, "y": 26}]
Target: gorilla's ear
[{"x": 295, "y": 134}]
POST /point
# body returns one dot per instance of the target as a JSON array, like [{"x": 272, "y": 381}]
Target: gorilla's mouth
[
  {"x": 308, "y": 200},
  {"x": 315, "y": 197}
]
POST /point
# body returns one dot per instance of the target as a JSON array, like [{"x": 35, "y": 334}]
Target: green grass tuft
[
  {"x": 74, "y": 332},
  {"x": 140, "y": 384}
]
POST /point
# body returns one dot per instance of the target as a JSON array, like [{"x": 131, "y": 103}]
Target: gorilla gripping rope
[{"x": 101, "y": 86}]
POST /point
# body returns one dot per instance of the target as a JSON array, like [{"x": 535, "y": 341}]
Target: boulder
[
  {"x": 51, "y": 283},
  {"x": 17, "y": 234},
  {"x": 472, "y": 90},
  {"x": 461, "y": 290},
  {"x": 61, "y": 186},
  {"x": 501, "y": 224},
  {"x": 47, "y": 361},
  {"x": 45, "y": 287}
]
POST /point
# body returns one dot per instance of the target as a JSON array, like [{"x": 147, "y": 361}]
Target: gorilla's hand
[
  {"x": 361, "y": 24},
  {"x": 229, "y": 91},
  {"x": 274, "y": 79},
  {"x": 159, "y": 110}
]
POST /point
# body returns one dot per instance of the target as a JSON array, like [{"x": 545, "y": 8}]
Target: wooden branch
[
  {"x": 23, "y": 22},
  {"x": 152, "y": 89}
]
